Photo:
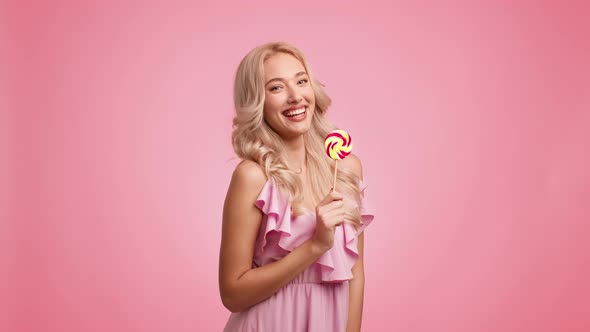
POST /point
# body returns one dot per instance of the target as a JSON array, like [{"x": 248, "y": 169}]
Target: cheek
[
  {"x": 310, "y": 95},
  {"x": 272, "y": 106},
  {"x": 267, "y": 106},
  {"x": 270, "y": 103}
]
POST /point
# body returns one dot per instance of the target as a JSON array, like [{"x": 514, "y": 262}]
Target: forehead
[{"x": 282, "y": 65}]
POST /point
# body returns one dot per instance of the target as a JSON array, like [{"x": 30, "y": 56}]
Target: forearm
[
  {"x": 260, "y": 283},
  {"x": 355, "y": 307}
]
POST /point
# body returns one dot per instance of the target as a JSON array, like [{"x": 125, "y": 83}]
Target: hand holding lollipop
[{"x": 338, "y": 145}]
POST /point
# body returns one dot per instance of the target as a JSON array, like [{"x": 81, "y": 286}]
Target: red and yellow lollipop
[{"x": 338, "y": 146}]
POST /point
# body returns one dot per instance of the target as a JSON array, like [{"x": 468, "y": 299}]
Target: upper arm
[
  {"x": 358, "y": 268},
  {"x": 353, "y": 164},
  {"x": 241, "y": 220}
]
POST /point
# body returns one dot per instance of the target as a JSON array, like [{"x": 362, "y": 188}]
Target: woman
[{"x": 291, "y": 256}]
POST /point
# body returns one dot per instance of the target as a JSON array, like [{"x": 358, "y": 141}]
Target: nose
[{"x": 294, "y": 96}]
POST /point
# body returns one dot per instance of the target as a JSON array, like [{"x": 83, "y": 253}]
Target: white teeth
[{"x": 296, "y": 112}]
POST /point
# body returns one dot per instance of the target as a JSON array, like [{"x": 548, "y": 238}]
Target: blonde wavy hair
[{"x": 253, "y": 139}]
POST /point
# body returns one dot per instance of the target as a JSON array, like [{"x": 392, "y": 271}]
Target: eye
[
  {"x": 274, "y": 88},
  {"x": 303, "y": 80}
]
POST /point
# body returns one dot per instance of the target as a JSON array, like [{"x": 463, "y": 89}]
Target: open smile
[{"x": 297, "y": 114}]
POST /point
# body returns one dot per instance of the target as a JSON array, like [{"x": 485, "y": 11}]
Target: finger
[
  {"x": 334, "y": 205},
  {"x": 326, "y": 216},
  {"x": 328, "y": 207},
  {"x": 334, "y": 217},
  {"x": 331, "y": 214},
  {"x": 349, "y": 222},
  {"x": 335, "y": 223},
  {"x": 334, "y": 213},
  {"x": 330, "y": 197},
  {"x": 335, "y": 195},
  {"x": 340, "y": 220}
]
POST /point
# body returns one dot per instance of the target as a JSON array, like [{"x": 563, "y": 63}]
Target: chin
[{"x": 296, "y": 133}]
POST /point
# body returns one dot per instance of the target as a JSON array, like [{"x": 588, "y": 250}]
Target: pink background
[{"x": 472, "y": 121}]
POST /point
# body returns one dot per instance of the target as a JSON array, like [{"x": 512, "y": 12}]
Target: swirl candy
[{"x": 338, "y": 144}]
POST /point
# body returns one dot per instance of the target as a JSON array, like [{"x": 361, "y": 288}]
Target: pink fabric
[{"x": 317, "y": 299}]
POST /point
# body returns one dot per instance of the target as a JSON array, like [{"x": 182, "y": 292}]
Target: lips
[
  {"x": 295, "y": 107},
  {"x": 294, "y": 111}
]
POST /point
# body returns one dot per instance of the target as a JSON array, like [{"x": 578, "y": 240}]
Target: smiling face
[{"x": 289, "y": 98}]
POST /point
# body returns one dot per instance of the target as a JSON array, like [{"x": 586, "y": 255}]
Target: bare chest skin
[{"x": 309, "y": 201}]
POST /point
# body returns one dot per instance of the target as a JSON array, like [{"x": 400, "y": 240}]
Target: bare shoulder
[
  {"x": 240, "y": 215},
  {"x": 353, "y": 164},
  {"x": 248, "y": 174}
]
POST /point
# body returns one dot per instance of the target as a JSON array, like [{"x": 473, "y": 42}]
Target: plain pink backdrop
[{"x": 472, "y": 120}]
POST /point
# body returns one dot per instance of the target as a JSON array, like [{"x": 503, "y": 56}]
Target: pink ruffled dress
[{"x": 317, "y": 299}]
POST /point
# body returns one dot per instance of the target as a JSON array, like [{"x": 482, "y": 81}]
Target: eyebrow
[{"x": 281, "y": 79}]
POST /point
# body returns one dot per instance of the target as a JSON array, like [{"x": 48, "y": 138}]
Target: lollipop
[{"x": 338, "y": 145}]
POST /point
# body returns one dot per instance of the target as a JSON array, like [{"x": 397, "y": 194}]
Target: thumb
[{"x": 331, "y": 196}]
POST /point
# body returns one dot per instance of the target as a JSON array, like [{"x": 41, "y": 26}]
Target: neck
[{"x": 295, "y": 153}]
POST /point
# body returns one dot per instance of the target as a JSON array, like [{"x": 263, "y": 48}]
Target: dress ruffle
[{"x": 336, "y": 263}]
